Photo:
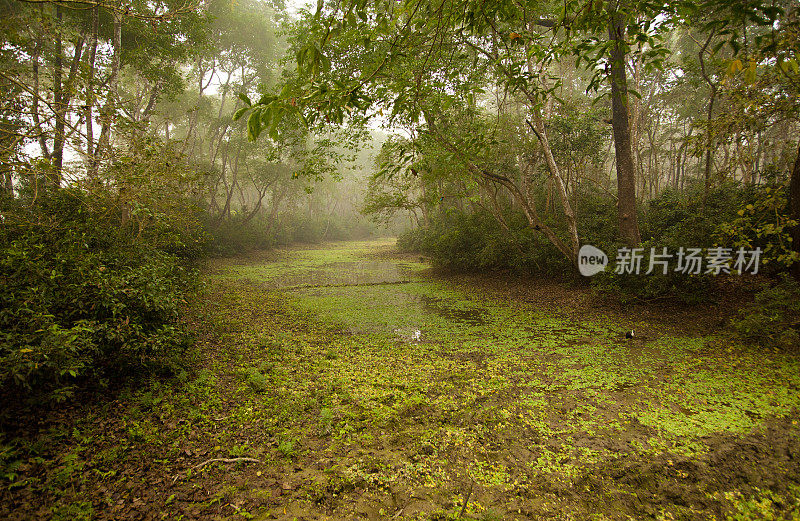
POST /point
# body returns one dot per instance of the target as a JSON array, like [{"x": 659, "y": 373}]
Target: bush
[
  {"x": 674, "y": 220},
  {"x": 474, "y": 241},
  {"x": 730, "y": 215},
  {"x": 773, "y": 318},
  {"x": 81, "y": 300},
  {"x": 691, "y": 289},
  {"x": 233, "y": 236},
  {"x": 763, "y": 222}
]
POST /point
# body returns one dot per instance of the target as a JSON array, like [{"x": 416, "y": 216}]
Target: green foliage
[
  {"x": 233, "y": 236},
  {"x": 773, "y": 318},
  {"x": 691, "y": 218},
  {"x": 474, "y": 241},
  {"x": 675, "y": 220},
  {"x": 258, "y": 381},
  {"x": 287, "y": 448},
  {"x": 764, "y": 223},
  {"x": 236, "y": 235},
  {"x": 151, "y": 202},
  {"x": 81, "y": 301},
  {"x": 326, "y": 420},
  {"x": 687, "y": 288},
  {"x": 9, "y": 463},
  {"x": 762, "y": 504},
  {"x": 77, "y": 511}
]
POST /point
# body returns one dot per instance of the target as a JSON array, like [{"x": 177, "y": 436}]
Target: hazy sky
[{"x": 295, "y": 5}]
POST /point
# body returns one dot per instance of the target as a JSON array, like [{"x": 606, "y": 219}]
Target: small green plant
[
  {"x": 135, "y": 431},
  {"x": 238, "y": 451},
  {"x": 326, "y": 420},
  {"x": 491, "y": 515},
  {"x": 75, "y": 511},
  {"x": 257, "y": 381},
  {"x": 286, "y": 447},
  {"x": 9, "y": 463},
  {"x": 71, "y": 468}
]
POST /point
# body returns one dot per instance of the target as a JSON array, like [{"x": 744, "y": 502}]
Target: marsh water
[{"x": 438, "y": 383}]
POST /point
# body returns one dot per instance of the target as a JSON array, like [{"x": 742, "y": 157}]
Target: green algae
[{"x": 499, "y": 392}]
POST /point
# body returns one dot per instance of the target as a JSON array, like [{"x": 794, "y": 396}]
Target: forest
[{"x": 400, "y": 259}]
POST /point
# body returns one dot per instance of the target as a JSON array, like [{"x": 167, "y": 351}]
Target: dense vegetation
[{"x": 86, "y": 297}]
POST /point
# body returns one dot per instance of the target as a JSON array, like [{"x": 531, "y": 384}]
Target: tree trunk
[
  {"x": 40, "y": 135},
  {"x": 201, "y": 71},
  {"x": 109, "y": 108},
  {"x": 555, "y": 174},
  {"x": 88, "y": 109},
  {"x": 709, "y": 114},
  {"x": 626, "y": 172},
  {"x": 65, "y": 90},
  {"x": 155, "y": 92},
  {"x": 8, "y": 184},
  {"x": 58, "y": 104},
  {"x": 143, "y": 116},
  {"x": 277, "y": 197}
]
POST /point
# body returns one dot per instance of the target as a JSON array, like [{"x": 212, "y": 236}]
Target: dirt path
[{"x": 368, "y": 388}]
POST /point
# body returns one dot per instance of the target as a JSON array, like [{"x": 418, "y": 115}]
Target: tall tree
[{"x": 620, "y": 121}]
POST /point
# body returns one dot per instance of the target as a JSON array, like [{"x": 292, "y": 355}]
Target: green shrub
[
  {"x": 773, "y": 318},
  {"x": 235, "y": 235},
  {"x": 258, "y": 381},
  {"x": 730, "y": 215},
  {"x": 688, "y": 288},
  {"x": 691, "y": 218},
  {"x": 472, "y": 240},
  {"x": 763, "y": 222},
  {"x": 674, "y": 220},
  {"x": 460, "y": 240},
  {"x": 81, "y": 301}
]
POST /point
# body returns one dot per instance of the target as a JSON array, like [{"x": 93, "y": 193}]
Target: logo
[{"x": 591, "y": 260}]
